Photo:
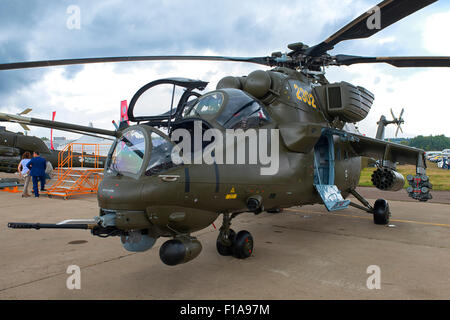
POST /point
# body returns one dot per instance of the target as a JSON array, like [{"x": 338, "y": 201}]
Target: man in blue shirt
[{"x": 37, "y": 167}]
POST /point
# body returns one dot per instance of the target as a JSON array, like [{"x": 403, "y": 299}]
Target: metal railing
[{"x": 78, "y": 170}]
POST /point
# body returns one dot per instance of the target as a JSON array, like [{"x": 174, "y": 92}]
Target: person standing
[
  {"x": 25, "y": 172},
  {"x": 37, "y": 167},
  {"x": 48, "y": 170}
]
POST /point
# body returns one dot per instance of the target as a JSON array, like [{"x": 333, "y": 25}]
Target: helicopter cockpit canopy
[
  {"x": 161, "y": 95},
  {"x": 209, "y": 104},
  {"x": 230, "y": 108},
  {"x": 129, "y": 152},
  {"x": 141, "y": 150}
]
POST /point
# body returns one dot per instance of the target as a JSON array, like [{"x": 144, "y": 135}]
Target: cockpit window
[
  {"x": 208, "y": 104},
  {"x": 242, "y": 111},
  {"x": 160, "y": 158},
  {"x": 231, "y": 108},
  {"x": 252, "y": 116},
  {"x": 129, "y": 153}
]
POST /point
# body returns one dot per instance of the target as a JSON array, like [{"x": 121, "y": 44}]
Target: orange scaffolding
[{"x": 81, "y": 179}]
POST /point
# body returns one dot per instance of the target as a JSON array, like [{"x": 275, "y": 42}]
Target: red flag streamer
[
  {"x": 51, "y": 131},
  {"x": 124, "y": 111}
]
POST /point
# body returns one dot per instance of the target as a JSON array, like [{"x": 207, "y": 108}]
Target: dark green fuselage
[{"x": 201, "y": 192}]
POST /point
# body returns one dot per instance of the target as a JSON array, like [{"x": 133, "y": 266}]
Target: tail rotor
[{"x": 398, "y": 121}]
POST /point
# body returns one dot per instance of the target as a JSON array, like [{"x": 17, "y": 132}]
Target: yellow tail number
[{"x": 305, "y": 96}]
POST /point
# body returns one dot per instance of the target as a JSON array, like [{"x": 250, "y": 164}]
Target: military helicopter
[
  {"x": 146, "y": 193},
  {"x": 14, "y": 144}
]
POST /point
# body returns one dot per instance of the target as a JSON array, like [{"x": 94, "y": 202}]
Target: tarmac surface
[{"x": 302, "y": 253}]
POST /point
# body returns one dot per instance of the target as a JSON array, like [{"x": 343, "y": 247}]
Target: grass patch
[{"x": 440, "y": 178}]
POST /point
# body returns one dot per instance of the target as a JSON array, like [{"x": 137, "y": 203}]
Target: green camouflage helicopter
[
  {"x": 156, "y": 186},
  {"x": 14, "y": 144}
]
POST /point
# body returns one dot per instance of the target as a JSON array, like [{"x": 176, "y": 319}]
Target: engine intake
[
  {"x": 343, "y": 100},
  {"x": 387, "y": 179}
]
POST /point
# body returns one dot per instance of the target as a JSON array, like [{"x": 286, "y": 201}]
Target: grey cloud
[{"x": 36, "y": 29}]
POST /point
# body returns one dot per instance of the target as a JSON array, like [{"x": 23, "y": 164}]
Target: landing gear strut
[
  {"x": 380, "y": 209},
  {"x": 228, "y": 243},
  {"x": 225, "y": 242}
]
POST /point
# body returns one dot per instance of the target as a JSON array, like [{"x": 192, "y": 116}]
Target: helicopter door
[
  {"x": 324, "y": 161},
  {"x": 324, "y": 174}
]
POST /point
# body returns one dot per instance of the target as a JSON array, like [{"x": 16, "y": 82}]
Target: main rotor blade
[
  {"x": 268, "y": 61},
  {"x": 26, "y": 111},
  {"x": 87, "y": 134},
  {"x": 25, "y": 127},
  {"x": 401, "y": 62},
  {"x": 55, "y": 125},
  {"x": 390, "y": 11}
]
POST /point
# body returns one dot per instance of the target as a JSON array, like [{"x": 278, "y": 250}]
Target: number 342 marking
[{"x": 305, "y": 96}]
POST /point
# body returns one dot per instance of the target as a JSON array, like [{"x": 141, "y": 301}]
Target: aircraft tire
[
  {"x": 243, "y": 245},
  {"x": 381, "y": 212},
  {"x": 276, "y": 210}
]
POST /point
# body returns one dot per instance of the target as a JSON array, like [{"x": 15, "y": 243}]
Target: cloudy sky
[{"x": 38, "y": 30}]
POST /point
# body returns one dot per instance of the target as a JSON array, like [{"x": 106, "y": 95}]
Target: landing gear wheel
[
  {"x": 243, "y": 245},
  {"x": 381, "y": 212},
  {"x": 276, "y": 210},
  {"x": 223, "y": 249}
]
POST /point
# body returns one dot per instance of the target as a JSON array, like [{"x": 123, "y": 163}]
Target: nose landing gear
[
  {"x": 225, "y": 242},
  {"x": 243, "y": 245},
  {"x": 228, "y": 243}
]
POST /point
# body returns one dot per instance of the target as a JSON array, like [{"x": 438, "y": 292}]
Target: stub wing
[
  {"x": 388, "y": 151},
  {"x": 389, "y": 154}
]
